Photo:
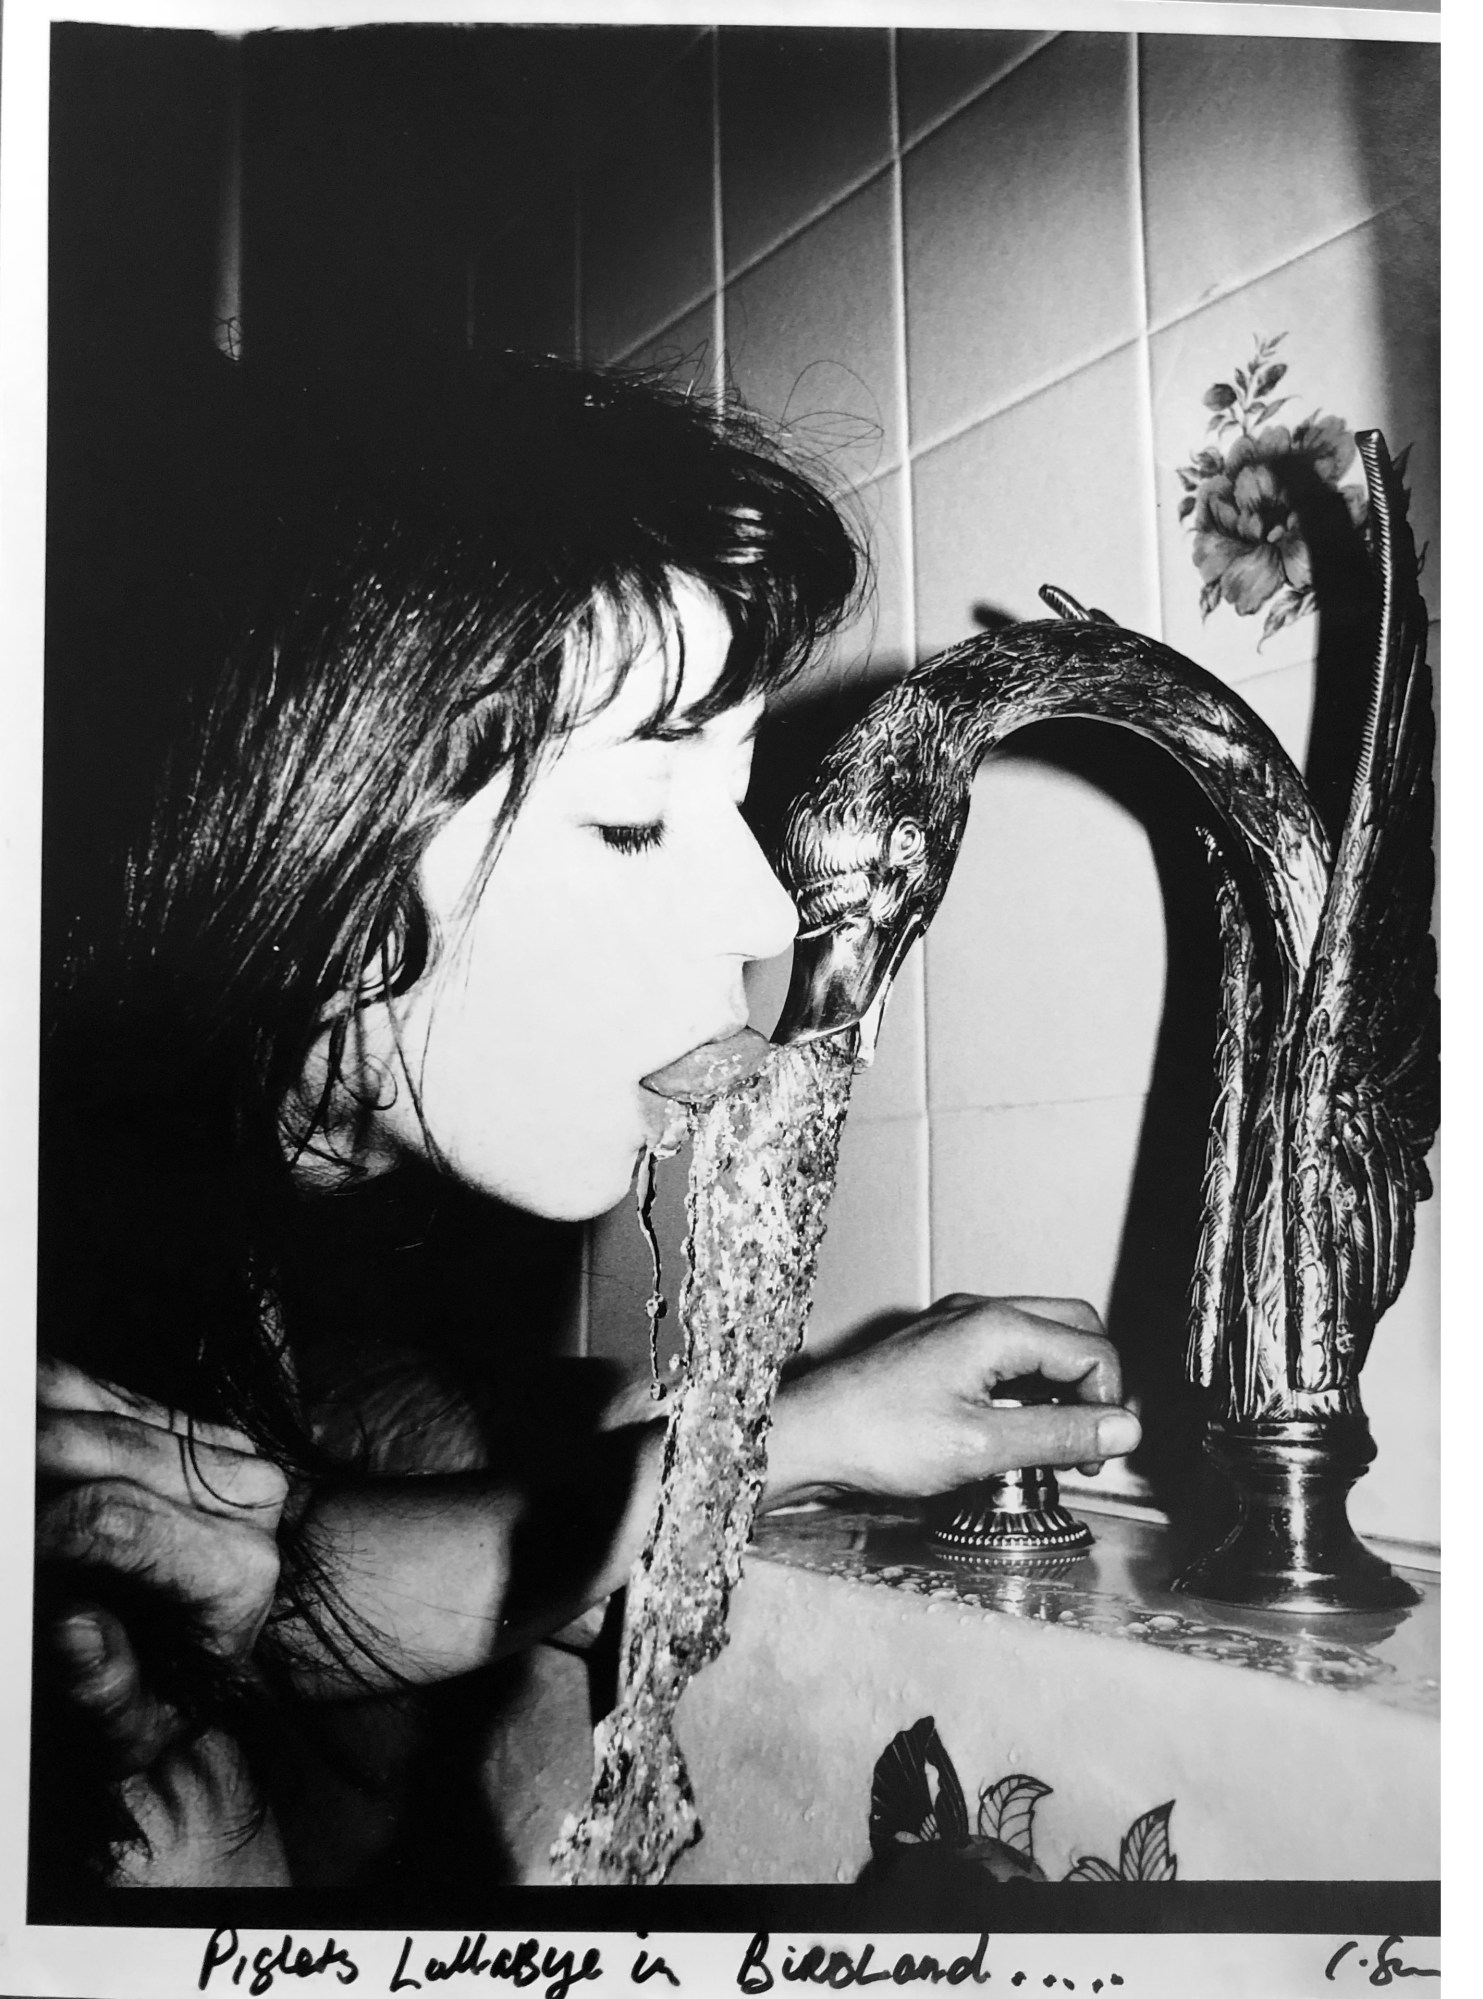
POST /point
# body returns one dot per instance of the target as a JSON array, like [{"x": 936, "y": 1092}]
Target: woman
[{"x": 448, "y": 860}]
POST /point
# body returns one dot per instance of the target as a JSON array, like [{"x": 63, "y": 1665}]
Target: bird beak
[{"x": 841, "y": 979}]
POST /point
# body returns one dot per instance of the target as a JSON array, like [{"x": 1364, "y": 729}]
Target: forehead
[{"x": 683, "y": 654}]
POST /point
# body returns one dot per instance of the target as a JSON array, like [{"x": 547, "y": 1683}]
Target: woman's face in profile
[{"x": 609, "y": 939}]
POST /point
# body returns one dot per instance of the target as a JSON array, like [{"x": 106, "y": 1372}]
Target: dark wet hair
[
  {"x": 390, "y": 597},
  {"x": 467, "y": 534}
]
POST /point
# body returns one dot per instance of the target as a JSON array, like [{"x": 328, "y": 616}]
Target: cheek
[
  {"x": 528, "y": 1079},
  {"x": 566, "y": 988}
]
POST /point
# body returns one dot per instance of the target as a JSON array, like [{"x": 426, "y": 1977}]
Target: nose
[{"x": 755, "y": 913}]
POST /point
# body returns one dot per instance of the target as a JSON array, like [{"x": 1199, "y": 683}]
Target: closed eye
[{"x": 632, "y": 839}]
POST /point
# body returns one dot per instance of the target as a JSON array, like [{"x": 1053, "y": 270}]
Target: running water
[{"x": 762, "y": 1170}]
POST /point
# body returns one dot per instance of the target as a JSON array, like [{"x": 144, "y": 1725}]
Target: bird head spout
[
  {"x": 842, "y": 976},
  {"x": 866, "y": 854}
]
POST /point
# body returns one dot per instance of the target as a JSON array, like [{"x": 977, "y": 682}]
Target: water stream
[{"x": 763, "y": 1161}]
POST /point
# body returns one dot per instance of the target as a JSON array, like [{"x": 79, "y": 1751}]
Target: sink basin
[{"x": 1084, "y": 1700}]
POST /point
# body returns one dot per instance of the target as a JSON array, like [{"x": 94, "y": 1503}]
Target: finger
[
  {"x": 102, "y": 1680},
  {"x": 1012, "y": 1342},
  {"x": 1062, "y": 1312},
  {"x": 1058, "y": 1434},
  {"x": 222, "y": 1570},
  {"x": 59, "y": 1385},
  {"x": 96, "y": 1444}
]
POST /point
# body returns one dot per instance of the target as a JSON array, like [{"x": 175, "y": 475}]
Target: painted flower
[
  {"x": 1248, "y": 540},
  {"x": 1243, "y": 493},
  {"x": 927, "y": 1866}
]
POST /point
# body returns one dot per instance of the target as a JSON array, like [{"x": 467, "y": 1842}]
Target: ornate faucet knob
[{"x": 1016, "y": 1515}]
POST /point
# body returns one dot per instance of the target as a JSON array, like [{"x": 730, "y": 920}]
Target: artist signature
[{"x": 1386, "y": 1966}]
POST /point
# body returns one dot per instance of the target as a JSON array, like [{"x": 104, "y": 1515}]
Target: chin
[{"x": 579, "y": 1199}]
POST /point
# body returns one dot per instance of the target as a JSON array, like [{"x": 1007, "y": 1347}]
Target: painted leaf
[
  {"x": 1219, "y": 396},
  {"x": 904, "y": 1808},
  {"x": 1091, "y": 1869},
  {"x": 1186, "y": 506},
  {"x": 1146, "y": 1854},
  {"x": 1006, "y": 1811},
  {"x": 1269, "y": 377},
  {"x": 1288, "y": 606}
]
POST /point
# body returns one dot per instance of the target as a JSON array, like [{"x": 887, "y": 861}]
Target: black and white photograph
[{"x": 722, "y": 1198}]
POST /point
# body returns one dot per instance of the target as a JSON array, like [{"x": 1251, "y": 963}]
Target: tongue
[{"x": 712, "y": 1067}]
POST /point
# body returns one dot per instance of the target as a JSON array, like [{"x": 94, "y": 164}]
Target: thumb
[
  {"x": 106, "y": 1689},
  {"x": 1062, "y": 1434}
]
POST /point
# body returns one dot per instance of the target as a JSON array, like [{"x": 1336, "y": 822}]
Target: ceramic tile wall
[{"x": 991, "y": 275}]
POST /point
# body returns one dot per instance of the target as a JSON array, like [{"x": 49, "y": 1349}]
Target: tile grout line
[
  {"x": 1148, "y": 332},
  {"x": 579, "y": 341},
  {"x": 584, "y": 1251},
  {"x": 944, "y": 118},
  {"x": 1153, "y": 556},
  {"x": 899, "y": 149},
  {"x": 812, "y": 217},
  {"x": 902, "y": 354},
  {"x": 718, "y": 230},
  {"x": 907, "y": 522},
  {"x": 1219, "y": 297},
  {"x": 1021, "y": 397},
  {"x": 626, "y": 353},
  {"x": 1010, "y": 1105},
  {"x": 584, "y": 1292},
  {"x": 892, "y": 164}
]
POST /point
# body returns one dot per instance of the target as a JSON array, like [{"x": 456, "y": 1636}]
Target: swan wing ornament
[
  {"x": 1362, "y": 1102},
  {"x": 1326, "y": 1043}
]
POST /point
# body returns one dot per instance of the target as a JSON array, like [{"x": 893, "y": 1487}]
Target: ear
[{"x": 397, "y": 962}]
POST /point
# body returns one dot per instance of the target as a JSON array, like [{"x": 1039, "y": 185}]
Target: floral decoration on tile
[
  {"x": 917, "y": 1802},
  {"x": 1244, "y": 494}
]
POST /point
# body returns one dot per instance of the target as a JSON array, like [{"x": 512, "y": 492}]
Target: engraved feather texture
[
  {"x": 1363, "y": 1091},
  {"x": 1236, "y": 1049},
  {"x": 1326, "y": 1056}
]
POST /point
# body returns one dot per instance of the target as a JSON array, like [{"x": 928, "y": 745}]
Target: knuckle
[
  {"x": 104, "y": 1516},
  {"x": 56, "y": 1437},
  {"x": 265, "y": 1485},
  {"x": 121, "y": 1430},
  {"x": 246, "y": 1564},
  {"x": 234, "y": 1613}
]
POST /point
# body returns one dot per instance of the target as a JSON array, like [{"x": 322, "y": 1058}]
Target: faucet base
[
  {"x": 1016, "y": 1516},
  {"x": 1292, "y": 1548}
]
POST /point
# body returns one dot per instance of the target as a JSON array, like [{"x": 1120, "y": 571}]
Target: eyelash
[{"x": 632, "y": 839}]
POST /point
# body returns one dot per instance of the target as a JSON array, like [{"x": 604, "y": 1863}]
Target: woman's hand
[
  {"x": 130, "y": 1492},
  {"x": 911, "y": 1416}
]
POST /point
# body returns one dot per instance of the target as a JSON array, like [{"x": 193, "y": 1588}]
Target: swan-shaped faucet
[{"x": 1326, "y": 1057}]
